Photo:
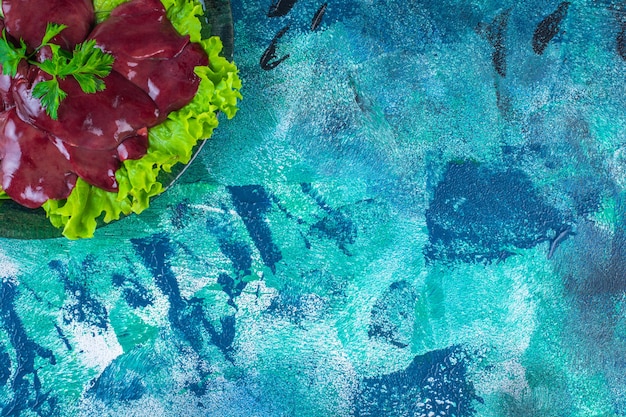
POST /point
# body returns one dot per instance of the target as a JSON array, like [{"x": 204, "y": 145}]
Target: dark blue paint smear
[
  {"x": 289, "y": 304},
  {"x": 25, "y": 384},
  {"x": 86, "y": 309},
  {"x": 339, "y": 228},
  {"x": 64, "y": 338},
  {"x": 233, "y": 288},
  {"x": 476, "y": 213},
  {"x": 112, "y": 386},
  {"x": 434, "y": 382},
  {"x": 252, "y": 203},
  {"x": 180, "y": 213},
  {"x": 118, "y": 279},
  {"x": 156, "y": 253},
  {"x": 137, "y": 297},
  {"x": 186, "y": 316},
  {"x": 548, "y": 28},
  {"x": 335, "y": 225},
  {"x": 239, "y": 254},
  {"x": 495, "y": 33},
  {"x": 395, "y": 305},
  {"x": 135, "y": 294},
  {"x": 5, "y": 367}
]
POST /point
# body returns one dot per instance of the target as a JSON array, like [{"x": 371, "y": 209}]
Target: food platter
[{"x": 19, "y": 222}]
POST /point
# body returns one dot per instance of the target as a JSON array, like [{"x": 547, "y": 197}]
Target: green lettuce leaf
[
  {"x": 183, "y": 15},
  {"x": 170, "y": 143},
  {"x": 103, "y": 8}
]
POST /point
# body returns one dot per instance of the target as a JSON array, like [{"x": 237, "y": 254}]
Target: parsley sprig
[{"x": 88, "y": 65}]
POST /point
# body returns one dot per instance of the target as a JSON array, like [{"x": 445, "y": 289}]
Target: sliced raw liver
[
  {"x": 101, "y": 120},
  {"x": 163, "y": 67},
  {"x": 139, "y": 29},
  {"x": 27, "y": 19},
  {"x": 98, "y": 167},
  {"x": 6, "y": 98},
  {"x": 134, "y": 147},
  {"x": 33, "y": 169}
]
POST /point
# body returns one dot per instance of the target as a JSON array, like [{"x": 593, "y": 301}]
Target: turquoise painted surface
[{"x": 419, "y": 212}]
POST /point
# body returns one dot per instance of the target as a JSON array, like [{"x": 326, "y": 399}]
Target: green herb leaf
[
  {"x": 88, "y": 65},
  {"x": 90, "y": 59},
  {"x": 56, "y": 64},
  {"x": 51, "y": 95},
  {"x": 52, "y": 29},
  {"x": 10, "y": 55},
  {"x": 49, "y": 66},
  {"x": 88, "y": 83}
]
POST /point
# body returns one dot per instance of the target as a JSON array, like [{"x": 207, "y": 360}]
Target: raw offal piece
[
  {"x": 27, "y": 19},
  {"x": 164, "y": 67},
  {"x": 100, "y": 120},
  {"x": 33, "y": 168}
]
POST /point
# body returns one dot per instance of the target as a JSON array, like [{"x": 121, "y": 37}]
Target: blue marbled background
[{"x": 419, "y": 212}]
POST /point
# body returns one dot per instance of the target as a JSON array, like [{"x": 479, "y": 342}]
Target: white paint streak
[
  {"x": 97, "y": 348},
  {"x": 8, "y": 268}
]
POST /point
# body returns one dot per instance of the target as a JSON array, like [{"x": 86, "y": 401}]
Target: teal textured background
[{"x": 419, "y": 212}]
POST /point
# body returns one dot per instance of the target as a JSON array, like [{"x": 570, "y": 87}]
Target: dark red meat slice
[
  {"x": 27, "y": 19},
  {"x": 139, "y": 29},
  {"x": 135, "y": 147},
  {"x": 171, "y": 83},
  {"x": 33, "y": 169},
  {"x": 96, "y": 121},
  {"x": 98, "y": 167},
  {"x": 6, "y": 98},
  {"x": 164, "y": 66}
]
